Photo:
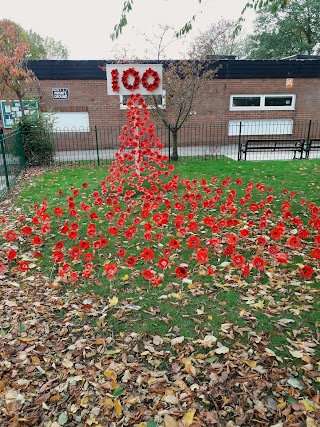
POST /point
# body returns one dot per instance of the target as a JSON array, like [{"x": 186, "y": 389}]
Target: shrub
[{"x": 37, "y": 138}]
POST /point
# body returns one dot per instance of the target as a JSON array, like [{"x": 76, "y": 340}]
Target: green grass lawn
[
  {"x": 263, "y": 328},
  {"x": 209, "y": 301}
]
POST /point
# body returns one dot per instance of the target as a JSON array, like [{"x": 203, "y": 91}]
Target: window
[
  {"x": 261, "y": 127},
  {"x": 161, "y": 100},
  {"x": 262, "y": 102},
  {"x": 70, "y": 121}
]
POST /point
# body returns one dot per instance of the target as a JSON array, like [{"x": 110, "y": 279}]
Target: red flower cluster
[
  {"x": 114, "y": 81},
  {"x": 136, "y": 78},
  {"x": 145, "y": 80}
]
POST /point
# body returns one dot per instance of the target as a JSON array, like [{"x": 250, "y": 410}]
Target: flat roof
[{"x": 228, "y": 69}]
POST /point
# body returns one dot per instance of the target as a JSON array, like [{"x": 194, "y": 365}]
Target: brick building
[{"x": 269, "y": 96}]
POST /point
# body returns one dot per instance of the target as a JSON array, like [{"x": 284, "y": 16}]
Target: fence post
[
  {"x": 308, "y": 140},
  {"x": 21, "y": 149},
  {"x": 97, "y": 145},
  {"x": 169, "y": 142},
  {"x": 4, "y": 160},
  {"x": 239, "y": 143}
]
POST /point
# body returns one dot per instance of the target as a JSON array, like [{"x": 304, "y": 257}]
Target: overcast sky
[{"x": 85, "y": 27}]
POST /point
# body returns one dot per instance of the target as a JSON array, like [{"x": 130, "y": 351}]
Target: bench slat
[{"x": 250, "y": 145}]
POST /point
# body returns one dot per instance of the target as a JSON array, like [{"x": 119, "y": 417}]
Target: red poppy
[
  {"x": 23, "y": 266},
  {"x": 245, "y": 232},
  {"x": 110, "y": 270},
  {"x": 121, "y": 253},
  {"x": 245, "y": 270},
  {"x": 37, "y": 254},
  {"x": 113, "y": 230},
  {"x": 238, "y": 260},
  {"x": 131, "y": 261},
  {"x": 259, "y": 263},
  {"x": 294, "y": 242},
  {"x": 84, "y": 244},
  {"x": 163, "y": 263},
  {"x": 193, "y": 242},
  {"x": 276, "y": 233},
  {"x": 27, "y": 231},
  {"x": 315, "y": 253},
  {"x": 273, "y": 250},
  {"x": 174, "y": 243},
  {"x": 229, "y": 250},
  {"x": 155, "y": 281},
  {"x": 10, "y": 236},
  {"x": 73, "y": 235},
  {"x": 232, "y": 239},
  {"x": 37, "y": 240},
  {"x": 97, "y": 244},
  {"x": 147, "y": 254},
  {"x": 58, "y": 256},
  {"x": 181, "y": 272},
  {"x": 59, "y": 244},
  {"x": 11, "y": 254},
  {"x": 58, "y": 211},
  {"x": 202, "y": 255},
  {"x": 2, "y": 269},
  {"x": 306, "y": 272},
  {"x": 147, "y": 274},
  {"x": 282, "y": 257},
  {"x": 75, "y": 253},
  {"x": 45, "y": 229}
]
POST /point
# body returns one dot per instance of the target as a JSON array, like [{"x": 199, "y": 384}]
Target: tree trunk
[
  {"x": 21, "y": 105},
  {"x": 174, "y": 155}
]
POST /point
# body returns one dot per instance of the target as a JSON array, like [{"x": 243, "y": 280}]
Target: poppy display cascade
[{"x": 147, "y": 221}]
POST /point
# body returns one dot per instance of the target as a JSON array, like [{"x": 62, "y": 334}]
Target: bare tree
[
  {"x": 218, "y": 39},
  {"x": 184, "y": 82}
]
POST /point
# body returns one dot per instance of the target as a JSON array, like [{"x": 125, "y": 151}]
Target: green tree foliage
[
  {"x": 295, "y": 30},
  {"x": 275, "y": 5},
  {"x": 40, "y": 47},
  {"x": 15, "y": 77}
]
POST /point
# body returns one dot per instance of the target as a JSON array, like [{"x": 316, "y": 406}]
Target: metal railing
[
  {"x": 195, "y": 141},
  {"x": 12, "y": 160},
  {"x": 270, "y": 140}
]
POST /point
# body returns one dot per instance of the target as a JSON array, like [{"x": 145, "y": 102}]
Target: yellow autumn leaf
[
  {"x": 84, "y": 401},
  {"x": 296, "y": 353},
  {"x": 282, "y": 404},
  {"x": 260, "y": 304},
  {"x": 113, "y": 301},
  {"x": 188, "y": 417},
  {"x": 99, "y": 341},
  {"x": 169, "y": 421},
  {"x": 117, "y": 407},
  {"x": 125, "y": 277},
  {"x": 110, "y": 374},
  {"x": 309, "y": 405},
  {"x": 26, "y": 339},
  {"x": 251, "y": 363}
]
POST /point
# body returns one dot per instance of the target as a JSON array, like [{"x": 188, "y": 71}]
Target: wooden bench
[
  {"x": 310, "y": 145},
  {"x": 255, "y": 145}
]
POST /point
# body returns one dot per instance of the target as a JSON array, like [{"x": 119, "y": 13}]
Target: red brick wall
[{"x": 104, "y": 110}]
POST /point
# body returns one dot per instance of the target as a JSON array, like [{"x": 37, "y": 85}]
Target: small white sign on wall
[{"x": 125, "y": 79}]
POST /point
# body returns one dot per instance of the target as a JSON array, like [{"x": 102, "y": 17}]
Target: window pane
[
  {"x": 246, "y": 101},
  {"x": 278, "y": 101}
]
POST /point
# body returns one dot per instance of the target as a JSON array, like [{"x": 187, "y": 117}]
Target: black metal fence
[
  {"x": 238, "y": 140},
  {"x": 12, "y": 160}
]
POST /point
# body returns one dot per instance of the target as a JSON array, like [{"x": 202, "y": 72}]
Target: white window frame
[
  {"x": 150, "y": 107},
  {"x": 262, "y": 106},
  {"x": 69, "y": 121},
  {"x": 261, "y": 127}
]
